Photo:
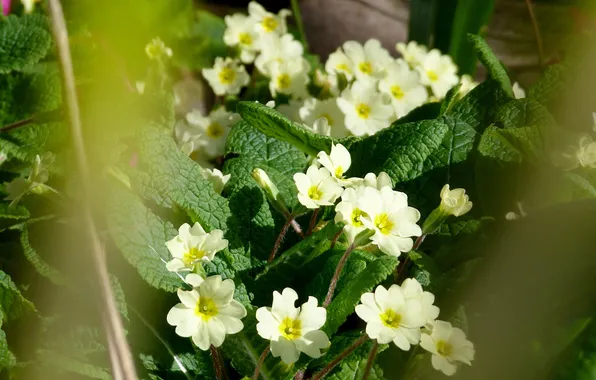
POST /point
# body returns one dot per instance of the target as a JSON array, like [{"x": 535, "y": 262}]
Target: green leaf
[
  {"x": 494, "y": 67},
  {"x": 7, "y": 359},
  {"x": 498, "y": 144},
  {"x": 40, "y": 265},
  {"x": 344, "y": 302},
  {"x": 119, "y": 296},
  {"x": 550, "y": 85},
  {"x": 23, "y": 42},
  {"x": 471, "y": 16},
  {"x": 67, "y": 364},
  {"x": 142, "y": 243},
  {"x": 273, "y": 124},
  {"x": 9, "y": 216},
  {"x": 12, "y": 302},
  {"x": 422, "y": 20},
  {"x": 579, "y": 360},
  {"x": 426, "y": 111}
]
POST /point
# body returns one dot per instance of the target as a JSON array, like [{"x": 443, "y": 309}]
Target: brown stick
[
  {"x": 371, "y": 360},
  {"x": 218, "y": 364},
  {"x": 536, "y": 32},
  {"x": 313, "y": 221},
  {"x": 18, "y": 124},
  {"x": 279, "y": 239},
  {"x": 335, "y": 278},
  {"x": 122, "y": 362},
  {"x": 255, "y": 376},
  {"x": 339, "y": 358}
]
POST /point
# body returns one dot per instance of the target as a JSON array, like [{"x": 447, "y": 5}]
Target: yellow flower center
[
  {"x": 227, "y": 75},
  {"x": 355, "y": 217},
  {"x": 397, "y": 92},
  {"x": 314, "y": 193},
  {"x": 245, "y": 38},
  {"x": 444, "y": 348},
  {"x": 390, "y": 318},
  {"x": 290, "y": 328},
  {"x": 343, "y": 67},
  {"x": 363, "y": 110},
  {"x": 206, "y": 308},
  {"x": 432, "y": 75},
  {"x": 193, "y": 255},
  {"x": 383, "y": 223},
  {"x": 215, "y": 130},
  {"x": 365, "y": 67},
  {"x": 283, "y": 81},
  {"x": 269, "y": 24},
  {"x": 339, "y": 172}
]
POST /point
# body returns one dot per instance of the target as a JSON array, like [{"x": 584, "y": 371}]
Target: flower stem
[
  {"x": 322, "y": 373},
  {"x": 313, "y": 221},
  {"x": 402, "y": 266},
  {"x": 335, "y": 278},
  {"x": 260, "y": 363},
  {"x": 296, "y": 227},
  {"x": 280, "y": 238},
  {"x": 218, "y": 364},
  {"x": 371, "y": 360},
  {"x": 21, "y": 123},
  {"x": 536, "y": 32},
  {"x": 335, "y": 238},
  {"x": 299, "y": 24}
]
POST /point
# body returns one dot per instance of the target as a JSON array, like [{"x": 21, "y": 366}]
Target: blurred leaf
[
  {"x": 23, "y": 42},
  {"x": 495, "y": 68},
  {"x": 422, "y": 20}
]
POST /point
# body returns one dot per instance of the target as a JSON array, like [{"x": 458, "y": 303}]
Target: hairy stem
[
  {"x": 371, "y": 360},
  {"x": 218, "y": 364},
  {"x": 536, "y": 32},
  {"x": 121, "y": 357},
  {"x": 322, "y": 373},
  {"x": 279, "y": 239},
  {"x": 299, "y": 24},
  {"x": 335, "y": 238},
  {"x": 18, "y": 124},
  {"x": 402, "y": 266},
  {"x": 313, "y": 221},
  {"x": 335, "y": 278},
  {"x": 260, "y": 363}
]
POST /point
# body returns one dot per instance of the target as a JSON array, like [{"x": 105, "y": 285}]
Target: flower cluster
[{"x": 406, "y": 315}]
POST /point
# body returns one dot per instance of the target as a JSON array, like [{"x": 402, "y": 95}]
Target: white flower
[
  {"x": 383, "y": 180},
  {"x": 438, "y": 72},
  {"x": 391, "y": 317},
  {"x": 279, "y": 49},
  {"x": 227, "y": 76},
  {"x": 518, "y": 91},
  {"x": 240, "y": 32},
  {"x": 140, "y": 87},
  {"x": 291, "y": 329},
  {"x": 448, "y": 345},
  {"x": 267, "y": 22},
  {"x": 327, "y": 82},
  {"x": 392, "y": 220},
  {"x": 193, "y": 245},
  {"x": 208, "y": 312},
  {"x": 291, "y": 109},
  {"x": 314, "y": 109},
  {"x": 349, "y": 211},
  {"x": 157, "y": 49},
  {"x": 339, "y": 63},
  {"x": 320, "y": 127},
  {"x": 216, "y": 177},
  {"x": 29, "y": 5},
  {"x": 586, "y": 153},
  {"x": 366, "y": 111},
  {"x": 369, "y": 61},
  {"x": 337, "y": 162},
  {"x": 404, "y": 88},
  {"x": 317, "y": 188},
  {"x": 467, "y": 84},
  {"x": 213, "y": 129},
  {"x": 288, "y": 77},
  {"x": 454, "y": 202},
  {"x": 594, "y": 121},
  {"x": 412, "y": 53},
  {"x": 413, "y": 291}
]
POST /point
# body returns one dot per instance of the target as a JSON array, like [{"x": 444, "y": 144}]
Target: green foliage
[
  {"x": 41, "y": 266},
  {"x": 12, "y": 302},
  {"x": 495, "y": 68},
  {"x": 548, "y": 88},
  {"x": 23, "y": 42}
]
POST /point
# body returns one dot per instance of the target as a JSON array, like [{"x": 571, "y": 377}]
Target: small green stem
[
  {"x": 255, "y": 376},
  {"x": 299, "y": 24},
  {"x": 371, "y": 360}
]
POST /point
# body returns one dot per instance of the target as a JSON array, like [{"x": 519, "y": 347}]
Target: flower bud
[
  {"x": 455, "y": 202},
  {"x": 271, "y": 190},
  {"x": 156, "y": 49}
]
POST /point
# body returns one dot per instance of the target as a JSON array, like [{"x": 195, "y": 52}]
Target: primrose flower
[
  {"x": 292, "y": 329},
  {"x": 155, "y": 49},
  {"x": 467, "y": 84},
  {"x": 455, "y": 202},
  {"x": 208, "y": 312},
  {"x": 213, "y": 129},
  {"x": 349, "y": 211},
  {"x": 317, "y": 188},
  {"x": 518, "y": 91},
  {"x": 288, "y": 77},
  {"x": 369, "y": 60},
  {"x": 366, "y": 111},
  {"x": 438, "y": 72},
  {"x": 413, "y": 291},
  {"x": 392, "y": 220},
  {"x": 227, "y": 76},
  {"x": 279, "y": 49},
  {"x": 337, "y": 162},
  {"x": 391, "y": 317},
  {"x": 327, "y": 82},
  {"x": 378, "y": 182},
  {"x": 216, "y": 177},
  {"x": 339, "y": 63},
  {"x": 412, "y": 53},
  {"x": 314, "y": 109},
  {"x": 193, "y": 245},
  {"x": 240, "y": 32},
  {"x": 448, "y": 345},
  {"x": 403, "y": 87},
  {"x": 267, "y": 22}
]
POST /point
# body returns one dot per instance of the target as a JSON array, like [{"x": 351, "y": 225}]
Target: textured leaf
[
  {"x": 7, "y": 359},
  {"x": 344, "y": 302},
  {"x": 495, "y": 68},
  {"x": 23, "y": 42},
  {"x": 171, "y": 179},
  {"x": 422, "y": 20},
  {"x": 495, "y": 143},
  {"x": 273, "y": 124},
  {"x": 9, "y": 216},
  {"x": 550, "y": 85},
  {"x": 119, "y": 296},
  {"x": 141, "y": 235},
  {"x": 424, "y": 112},
  {"x": 40, "y": 265},
  {"x": 12, "y": 302}
]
